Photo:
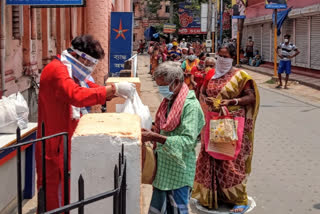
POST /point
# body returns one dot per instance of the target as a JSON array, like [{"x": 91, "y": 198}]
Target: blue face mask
[{"x": 165, "y": 91}]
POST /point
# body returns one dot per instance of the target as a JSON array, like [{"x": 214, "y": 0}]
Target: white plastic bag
[
  {"x": 8, "y": 116},
  {"x": 135, "y": 106},
  {"x": 22, "y": 109}
]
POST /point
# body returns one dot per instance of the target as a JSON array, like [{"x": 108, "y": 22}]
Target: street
[{"x": 286, "y": 165}]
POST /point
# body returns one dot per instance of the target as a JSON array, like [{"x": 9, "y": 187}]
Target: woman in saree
[
  {"x": 224, "y": 181},
  {"x": 187, "y": 65}
]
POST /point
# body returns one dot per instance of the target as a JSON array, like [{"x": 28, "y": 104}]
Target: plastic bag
[
  {"x": 135, "y": 106},
  {"x": 8, "y": 116},
  {"x": 22, "y": 109}
]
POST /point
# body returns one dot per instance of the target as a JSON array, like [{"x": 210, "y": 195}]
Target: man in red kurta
[{"x": 59, "y": 91}]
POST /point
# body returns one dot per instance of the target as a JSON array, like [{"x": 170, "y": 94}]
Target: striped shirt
[{"x": 287, "y": 50}]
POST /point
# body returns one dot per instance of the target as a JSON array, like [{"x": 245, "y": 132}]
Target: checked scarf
[{"x": 171, "y": 122}]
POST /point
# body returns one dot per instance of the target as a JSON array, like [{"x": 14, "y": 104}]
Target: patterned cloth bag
[{"x": 223, "y": 134}]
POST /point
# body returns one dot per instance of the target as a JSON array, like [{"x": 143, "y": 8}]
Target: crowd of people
[
  {"x": 195, "y": 86},
  {"x": 194, "y": 62}
]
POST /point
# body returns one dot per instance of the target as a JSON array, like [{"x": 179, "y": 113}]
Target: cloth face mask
[
  {"x": 192, "y": 57},
  {"x": 223, "y": 66}
]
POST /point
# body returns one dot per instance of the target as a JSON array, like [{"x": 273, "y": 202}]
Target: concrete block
[
  {"x": 111, "y": 105},
  {"x": 96, "y": 144}
]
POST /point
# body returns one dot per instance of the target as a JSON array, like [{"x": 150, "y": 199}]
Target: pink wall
[
  {"x": 100, "y": 13},
  {"x": 258, "y": 9}
]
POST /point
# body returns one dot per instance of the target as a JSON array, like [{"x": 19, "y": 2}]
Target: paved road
[{"x": 286, "y": 165}]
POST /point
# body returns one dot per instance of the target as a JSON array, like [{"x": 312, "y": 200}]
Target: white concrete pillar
[{"x": 96, "y": 145}]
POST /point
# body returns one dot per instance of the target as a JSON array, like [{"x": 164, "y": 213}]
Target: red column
[
  {"x": 127, "y": 5},
  {"x": 58, "y": 30},
  {"x": 26, "y": 36},
  {"x": 68, "y": 27},
  {"x": 44, "y": 30}
]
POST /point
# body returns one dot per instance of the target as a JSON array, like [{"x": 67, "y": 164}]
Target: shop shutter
[
  {"x": 272, "y": 43},
  {"x": 244, "y": 37},
  {"x": 302, "y": 41},
  {"x": 257, "y": 37},
  {"x": 266, "y": 42},
  {"x": 315, "y": 42},
  {"x": 287, "y": 28}
]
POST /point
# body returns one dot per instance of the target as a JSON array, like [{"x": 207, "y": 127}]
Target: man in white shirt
[
  {"x": 288, "y": 51},
  {"x": 183, "y": 44}
]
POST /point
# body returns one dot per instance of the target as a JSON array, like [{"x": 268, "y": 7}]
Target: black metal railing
[{"x": 118, "y": 193}]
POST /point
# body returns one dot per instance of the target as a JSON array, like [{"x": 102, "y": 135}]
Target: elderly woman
[
  {"x": 201, "y": 72},
  {"x": 225, "y": 180},
  {"x": 178, "y": 123}
]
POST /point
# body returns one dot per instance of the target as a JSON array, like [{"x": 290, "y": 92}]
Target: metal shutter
[
  {"x": 272, "y": 44},
  {"x": 302, "y": 41},
  {"x": 244, "y": 37},
  {"x": 257, "y": 37},
  {"x": 250, "y": 32},
  {"x": 287, "y": 28},
  {"x": 266, "y": 42},
  {"x": 315, "y": 42}
]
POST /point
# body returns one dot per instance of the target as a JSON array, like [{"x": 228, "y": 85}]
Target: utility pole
[
  {"x": 221, "y": 21},
  {"x": 171, "y": 12},
  {"x": 275, "y": 54},
  {"x": 171, "y": 16},
  {"x": 209, "y": 22}
]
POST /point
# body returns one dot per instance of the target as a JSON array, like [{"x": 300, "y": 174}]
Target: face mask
[
  {"x": 223, "y": 66},
  {"x": 192, "y": 57},
  {"x": 79, "y": 70},
  {"x": 165, "y": 91},
  {"x": 286, "y": 40}
]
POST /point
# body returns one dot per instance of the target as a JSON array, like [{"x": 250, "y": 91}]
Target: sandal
[
  {"x": 244, "y": 207},
  {"x": 279, "y": 86}
]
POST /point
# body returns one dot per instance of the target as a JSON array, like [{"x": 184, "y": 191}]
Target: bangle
[{"x": 237, "y": 102}]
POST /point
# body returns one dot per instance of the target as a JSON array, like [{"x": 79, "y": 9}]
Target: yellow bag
[
  {"x": 149, "y": 164},
  {"x": 223, "y": 128}
]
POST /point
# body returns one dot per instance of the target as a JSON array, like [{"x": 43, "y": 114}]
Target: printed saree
[
  {"x": 187, "y": 73},
  {"x": 221, "y": 180}
]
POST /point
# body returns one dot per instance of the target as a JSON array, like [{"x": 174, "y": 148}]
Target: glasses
[{"x": 211, "y": 66}]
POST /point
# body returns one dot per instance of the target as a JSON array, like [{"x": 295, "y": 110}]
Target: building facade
[
  {"x": 144, "y": 19},
  {"x": 303, "y": 24},
  {"x": 31, "y": 37}
]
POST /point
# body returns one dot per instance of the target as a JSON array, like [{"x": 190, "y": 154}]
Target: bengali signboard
[
  {"x": 46, "y": 2},
  {"x": 190, "y": 19},
  {"x": 169, "y": 28},
  {"x": 276, "y": 4},
  {"x": 120, "y": 40},
  {"x": 191, "y": 31},
  {"x": 239, "y": 9}
]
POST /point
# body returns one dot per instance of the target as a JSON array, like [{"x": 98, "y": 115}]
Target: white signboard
[
  {"x": 204, "y": 17},
  {"x": 234, "y": 28}
]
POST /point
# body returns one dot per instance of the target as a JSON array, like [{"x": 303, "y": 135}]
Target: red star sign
[{"x": 120, "y": 31}]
